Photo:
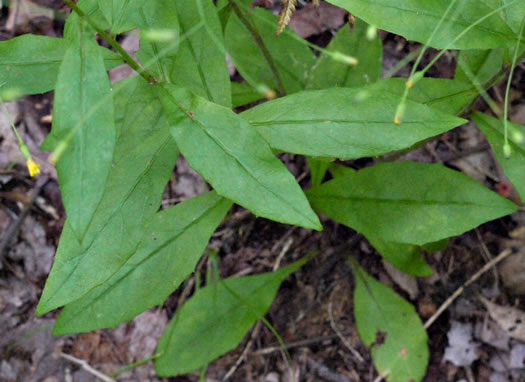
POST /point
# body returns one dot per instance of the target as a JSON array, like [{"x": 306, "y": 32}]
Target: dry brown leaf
[
  {"x": 406, "y": 282},
  {"x": 511, "y": 320},
  {"x": 312, "y": 20}
]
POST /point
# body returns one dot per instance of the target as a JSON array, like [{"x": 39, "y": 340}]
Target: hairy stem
[{"x": 114, "y": 44}]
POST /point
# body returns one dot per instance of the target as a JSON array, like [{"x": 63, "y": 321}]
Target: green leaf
[
  {"x": 122, "y": 15},
  {"x": 436, "y": 246},
  {"x": 482, "y": 65},
  {"x": 292, "y": 59},
  {"x": 215, "y": 320},
  {"x": 337, "y": 170},
  {"x": 514, "y": 166},
  {"x": 234, "y": 159},
  {"x": 29, "y": 64},
  {"x": 318, "y": 168},
  {"x": 243, "y": 94},
  {"x": 514, "y": 13},
  {"x": 448, "y": 96},
  {"x": 408, "y": 202},
  {"x": 144, "y": 158},
  {"x": 160, "y": 34},
  {"x": 328, "y": 72},
  {"x": 90, "y": 8},
  {"x": 405, "y": 257},
  {"x": 83, "y": 120},
  {"x": 345, "y": 123},
  {"x": 200, "y": 63},
  {"x": 172, "y": 243},
  {"x": 417, "y": 19},
  {"x": 392, "y": 330}
]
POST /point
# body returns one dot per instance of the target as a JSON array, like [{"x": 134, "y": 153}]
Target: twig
[
  {"x": 285, "y": 249},
  {"x": 283, "y": 239},
  {"x": 247, "y": 348},
  {"x": 488, "y": 257},
  {"x": 460, "y": 290},
  {"x": 349, "y": 346},
  {"x": 291, "y": 345},
  {"x": 114, "y": 44},
  {"x": 87, "y": 367},
  {"x": 258, "y": 326},
  {"x": 260, "y": 43}
]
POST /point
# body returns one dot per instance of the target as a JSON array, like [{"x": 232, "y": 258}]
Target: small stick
[
  {"x": 258, "y": 326},
  {"x": 461, "y": 289},
  {"x": 290, "y": 345},
  {"x": 87, "y": 367},
  {"x": 488, "y": 256},
  {"x": 349, "y": 346},
  {"x": 247, "y": 348}
]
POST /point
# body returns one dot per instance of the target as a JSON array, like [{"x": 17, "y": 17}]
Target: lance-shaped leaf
[
  {"x": 172, "y": 243},
  {"x": 417, "y": 19},
  {"x": 143, "y": 162},
  {"x": 513, "y": 166},
  {"x": 29, "y": 64},
  {"x": 345, "y": 123},
  {"x": 408, "y": 202},
  {"x": 160, "y": 34},
  {"x": 405, "y": 257},
  {"x": 329, "y": 71},
  {"x": 215, "y": 320},
  {"x": 229, "y": 153},
  {"x": 83, "y": 122},
  {"x": 392, "y": 330},
  {"x": 200, "y": 63},
  {"x": 291, "y": 59}
]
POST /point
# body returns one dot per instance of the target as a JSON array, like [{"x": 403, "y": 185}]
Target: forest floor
[{"x": 313, "y": 310}]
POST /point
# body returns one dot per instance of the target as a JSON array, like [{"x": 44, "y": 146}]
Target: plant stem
[
  {"x": 114, "y": 44},
  {"x": 260, "y": 43},
  {"x": 506, "y": 146}
]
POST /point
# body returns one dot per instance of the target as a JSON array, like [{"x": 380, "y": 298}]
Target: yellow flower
[{"x": 33, "y": 167}]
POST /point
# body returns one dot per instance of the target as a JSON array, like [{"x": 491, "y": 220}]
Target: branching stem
[{"x": 114, "y": 44}]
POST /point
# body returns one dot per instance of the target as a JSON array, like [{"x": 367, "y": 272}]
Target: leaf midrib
[
  {"x": 238, "y": 161},
  {"x": 403, "y": 201},
  {"x": 148, "y": 257},
  {"x": 345, "y": 121}
]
